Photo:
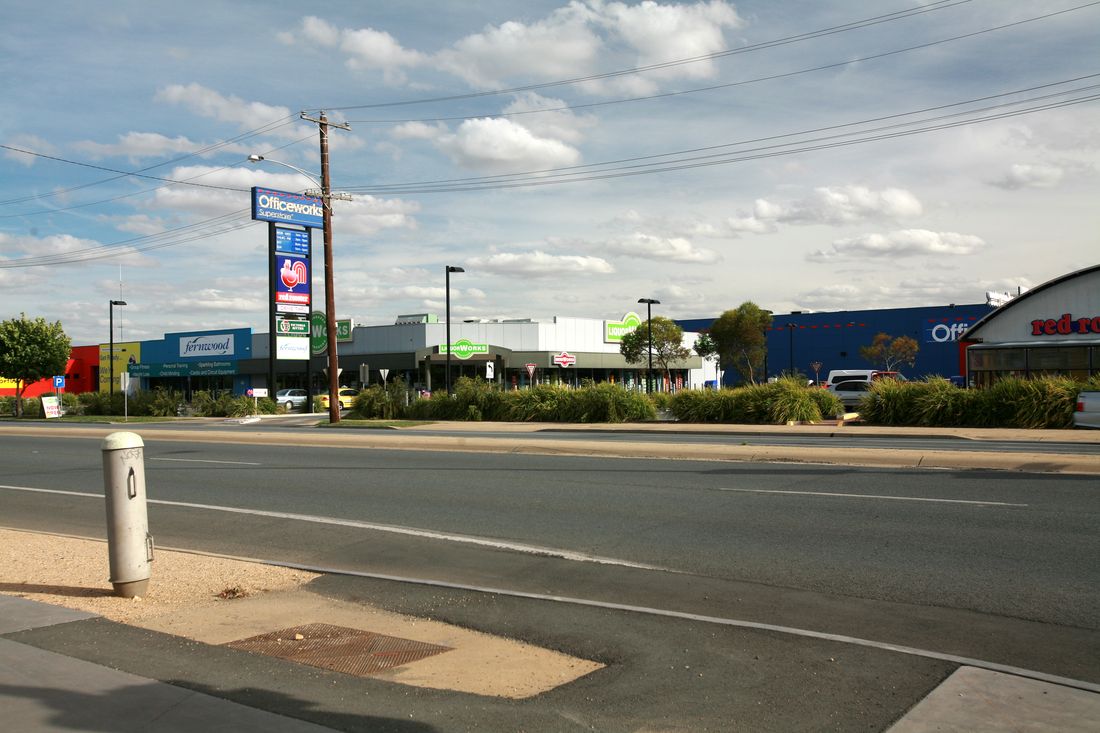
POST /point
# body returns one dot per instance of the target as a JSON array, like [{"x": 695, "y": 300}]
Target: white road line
[
  {"x": 875, "y": 496},
  {"x": 202, "y": 460},
  {"x": 392, "y": 529}
]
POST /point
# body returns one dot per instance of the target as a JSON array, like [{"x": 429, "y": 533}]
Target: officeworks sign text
[
  {"x": 283, "y": 207},
  {"x": 214, "y": 345}
]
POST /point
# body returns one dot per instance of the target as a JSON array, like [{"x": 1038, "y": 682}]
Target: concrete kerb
[{"x": 409, "y": 440}]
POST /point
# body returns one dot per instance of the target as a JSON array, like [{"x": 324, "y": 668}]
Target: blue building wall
[{"x": 834, "y": 338}]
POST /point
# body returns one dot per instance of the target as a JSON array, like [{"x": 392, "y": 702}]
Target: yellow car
[{"x": 345, "y": 397}]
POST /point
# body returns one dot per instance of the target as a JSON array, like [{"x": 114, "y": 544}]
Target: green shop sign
[
  {"x": 464, "y": 348},
  {"x": 318, "y": 332},
  {"x": 613, "y": 331}
]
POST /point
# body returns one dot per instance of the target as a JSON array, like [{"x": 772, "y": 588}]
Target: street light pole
[
  {"x": 649, "y": 303},
  {"x": 449, "y": 269},
  {"x": 111, "y": 348}
]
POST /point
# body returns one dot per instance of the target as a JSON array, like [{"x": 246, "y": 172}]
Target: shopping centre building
[{"x": 1051, "y": 329}]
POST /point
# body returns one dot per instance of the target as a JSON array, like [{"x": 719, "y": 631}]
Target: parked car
[
  {"x": 850, "y": 392},
  {"x": 1087, "y": 414},
  {"x": 836, "y": 376},
  {"x": 346, "y": 397},
  {"x": 291, "y": 399}
]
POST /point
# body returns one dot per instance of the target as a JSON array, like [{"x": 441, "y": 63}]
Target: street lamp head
[
  {"x": 452, "y": 268},
  {"x": 650, "y": 301},
  {"x": 254, "y": 158},
  {"x": 118, "y": 302}
]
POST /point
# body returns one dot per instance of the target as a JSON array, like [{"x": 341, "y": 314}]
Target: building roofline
[{"x": 973, "y": 331}]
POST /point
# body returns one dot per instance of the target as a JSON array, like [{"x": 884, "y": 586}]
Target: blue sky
[{"x": 736, "y": 163}]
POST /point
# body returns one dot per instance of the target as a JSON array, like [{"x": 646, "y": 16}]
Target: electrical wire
[
  {"x": 744, "y": 82},
  {"x": 853, "y": 25}
]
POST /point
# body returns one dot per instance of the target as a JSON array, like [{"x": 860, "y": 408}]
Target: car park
[
  {"x": 851, "y": 392},
  {"x": 291, "y": 399},
  {"x": 346, "y": 398}
]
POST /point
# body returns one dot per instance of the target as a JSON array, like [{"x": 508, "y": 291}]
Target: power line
[
  {"x": 744, "y": 82},
  {"x": 853, "y": 25},
  {"x": 263, "y": 129},
  {"x": 585, "y": 173}
]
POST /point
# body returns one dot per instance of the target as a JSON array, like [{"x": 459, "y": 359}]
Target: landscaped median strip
[{"x": 872, "y": 457}]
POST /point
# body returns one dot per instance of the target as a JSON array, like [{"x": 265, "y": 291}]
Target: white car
[
  {"x": 850, "y": 392},
  {"x": 291, "y": 399},
  {"x": 1087, "y": 414}
]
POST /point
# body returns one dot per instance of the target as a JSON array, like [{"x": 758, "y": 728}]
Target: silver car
[
  {"x": 291, "y": 399},
  {"x": 850, "y": 392}
]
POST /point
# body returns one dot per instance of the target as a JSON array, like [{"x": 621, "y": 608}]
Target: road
[{"x": 844, "y": 562}]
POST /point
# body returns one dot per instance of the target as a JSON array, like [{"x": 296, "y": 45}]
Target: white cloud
[
  {"x": 648, "y": 246},
  {"x": 659, "y": 33},
  {"x": 1023, "y": 175},
  {"x": 246, "y": 115},
  {"x": 17, "y": 247},
  {"x": 138, "y": 145},
  {"x": 903, "y": 243},
  {"x": 558, "y": 47},
  {"x": 540, "y": 264},
  {"x": 558, "y": 124},
  {"x": 835, "y": 206},
  {"x": 500, "y": 146},
  {"x": 366, "y": 215},
  {"x": 366, "y": 48},
  {"x": 32, "y": 143},
  {"x": 911, "y": 292}
]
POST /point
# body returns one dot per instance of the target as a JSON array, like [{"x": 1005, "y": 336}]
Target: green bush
[
  {"x": 378, "y": 401},
  {"x": 759, "y": 404},
  {"x": 1045, "y": 402}
]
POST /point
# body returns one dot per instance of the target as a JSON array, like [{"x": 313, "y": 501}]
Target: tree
[
  {"x": 668, "y": 344},
  {"x": 888, "y": 352},
  {"x": 740, "y": 335},
  {"x": 31, "y": 350},
  {"x": 706, "y": 348}
]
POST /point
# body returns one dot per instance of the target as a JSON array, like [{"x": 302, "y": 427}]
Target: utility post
[{"x": 330, "y": 296}]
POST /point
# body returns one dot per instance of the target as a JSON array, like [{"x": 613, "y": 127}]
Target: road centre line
[
  {"x": 392, "y": 529},
  {"x": 875, "y": 496},
  {"x": 203, "y": 460}
]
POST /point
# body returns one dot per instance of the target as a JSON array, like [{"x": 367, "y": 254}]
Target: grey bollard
[{"x": 129, "y": 544}]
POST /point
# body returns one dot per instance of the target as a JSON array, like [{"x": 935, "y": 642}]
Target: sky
[{"x": 571, "y": 157}]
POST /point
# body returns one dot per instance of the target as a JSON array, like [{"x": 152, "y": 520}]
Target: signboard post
[{"x": 531, "y": 372}]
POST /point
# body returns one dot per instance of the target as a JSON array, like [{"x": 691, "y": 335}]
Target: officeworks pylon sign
[{"x": 283, "y": 207}]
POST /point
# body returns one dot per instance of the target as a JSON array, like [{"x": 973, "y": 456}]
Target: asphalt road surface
[{"x": 986, "y": 565}]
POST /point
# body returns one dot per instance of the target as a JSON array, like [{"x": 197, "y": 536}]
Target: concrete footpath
[{"x": 55, "y": 673}]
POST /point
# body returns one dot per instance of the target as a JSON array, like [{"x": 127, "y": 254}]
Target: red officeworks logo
[{"x": 1065, "y": 325}]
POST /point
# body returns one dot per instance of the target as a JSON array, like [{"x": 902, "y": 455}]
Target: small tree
[
  {"x": 31, "y": 350},
  {"x": 888, "y": 352},
  {"x": 740, "y": 335},
  {"x": 668, "y": 344},
  {"x": 706, "y": 348}
]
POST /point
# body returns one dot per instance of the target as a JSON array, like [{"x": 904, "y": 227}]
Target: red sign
[
  {"x": 1065, "y": 325},
  {"x": 564, "y": 359},
  {"x": 530, "y": 370}
]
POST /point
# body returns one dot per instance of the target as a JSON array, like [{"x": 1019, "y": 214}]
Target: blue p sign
[{"x": 59, "y": 382}]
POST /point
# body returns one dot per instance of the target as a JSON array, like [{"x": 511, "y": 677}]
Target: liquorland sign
[
  {"x": 283, "y": 207},
  {"x": 464, "y": 349},
  {"x": 613, "y": 331}
]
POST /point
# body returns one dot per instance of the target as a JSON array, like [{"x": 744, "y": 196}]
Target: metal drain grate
[{"x": 351, "y": 651}]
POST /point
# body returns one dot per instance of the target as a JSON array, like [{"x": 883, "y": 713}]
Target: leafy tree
[
  {"x": 668, "y": 344},
  {"x": 740, "y": 335},
  {"x": 706, "y": 348},
  {"x": 888, "y": 352},
  {"x": 31, "y": 350}
]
